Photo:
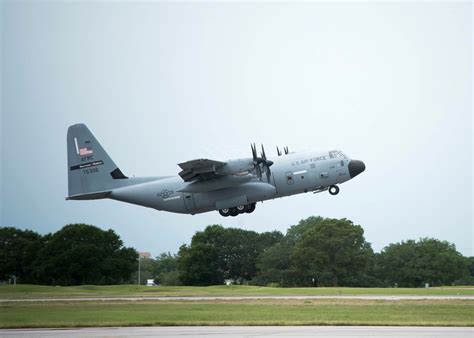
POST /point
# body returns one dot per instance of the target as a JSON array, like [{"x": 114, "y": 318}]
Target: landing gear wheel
[
  {"x": 334, "y": 190},
  {"x": 241, "y": 209},
  {"x": 249, "y": 208},
  {"x": 224, "y": 212},
  {"x": 234, "y": 212}
]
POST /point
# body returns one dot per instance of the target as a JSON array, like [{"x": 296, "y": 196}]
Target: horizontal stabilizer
[{"x": 90, "y": 196}]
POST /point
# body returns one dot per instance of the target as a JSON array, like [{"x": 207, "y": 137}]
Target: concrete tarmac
[
  {"x": 248, "y": 331},
  {"x": 227, "y": 298}
]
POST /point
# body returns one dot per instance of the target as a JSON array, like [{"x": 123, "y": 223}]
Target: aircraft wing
[{"x": 200, "y": 169}]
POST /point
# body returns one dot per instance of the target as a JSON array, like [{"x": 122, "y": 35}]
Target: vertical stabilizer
[{"x": 91, "y": 171}]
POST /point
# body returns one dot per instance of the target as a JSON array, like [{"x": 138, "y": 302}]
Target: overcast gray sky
[{"x": 161, "y": 83}]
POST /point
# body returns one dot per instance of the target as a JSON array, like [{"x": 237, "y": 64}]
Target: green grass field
[
  {"x": 38, "y": 291},
  {"x": 261, "y": 312},
  {"x": 63, "y": 313}
]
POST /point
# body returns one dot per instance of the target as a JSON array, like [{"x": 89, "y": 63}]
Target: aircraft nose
[{"x": 356, "y": 167}]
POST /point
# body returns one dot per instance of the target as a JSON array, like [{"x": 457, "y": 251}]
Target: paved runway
[
  {"x": 248, "y": 331},
  {"x": 210, "y": 298}
]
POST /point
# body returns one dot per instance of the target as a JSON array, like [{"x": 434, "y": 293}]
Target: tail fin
[{"x": 91, "y": 171}]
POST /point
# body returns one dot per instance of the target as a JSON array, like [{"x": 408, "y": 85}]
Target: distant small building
[{"x": 144, "y": 254}]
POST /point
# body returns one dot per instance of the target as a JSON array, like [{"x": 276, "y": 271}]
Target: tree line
[
  {"x": 315, "y": 252},
  {"x": 77, "y": 254}
]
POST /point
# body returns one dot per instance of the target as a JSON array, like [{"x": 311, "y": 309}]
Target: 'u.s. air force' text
[{"x": 309, "y": 160}]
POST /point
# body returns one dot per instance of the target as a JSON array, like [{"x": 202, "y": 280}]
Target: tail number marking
[{"x": 90, "y": 171}]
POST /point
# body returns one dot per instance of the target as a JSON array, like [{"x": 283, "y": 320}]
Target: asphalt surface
[
  {"x": 248, "y": 331},
  {"x": 210, "y": 298}
]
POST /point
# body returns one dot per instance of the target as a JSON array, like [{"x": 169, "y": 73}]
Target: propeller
[
  {"x": 256, "y": 161},
  {"x": 285, "y": 149},
  {"x": 261, "y": 162},
  {"x": 266, "y": 164}
]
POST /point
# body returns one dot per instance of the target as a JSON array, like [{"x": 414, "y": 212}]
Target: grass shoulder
[
  {"x": 260, "y": 312},
  {"x": 41, "y": 291}
]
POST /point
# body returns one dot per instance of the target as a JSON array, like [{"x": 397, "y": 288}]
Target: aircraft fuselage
[
  {"x": 291, "y": 174},
  {"x": 232, "y": 187}
]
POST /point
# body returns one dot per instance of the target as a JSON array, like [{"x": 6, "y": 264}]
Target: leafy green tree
[
  {"x": 167, "y": 269},
  {"x": 229, "y": 252},
  {"x": 469, "y": 278},
  {"x": 331, "y": 250},
  {"x": 470, "y": 264},
  {"x": 171, "y": 278},
  {"x": 411, "y": 263},
  {"x": 275, "y": 267},
  {"x": 267, "y": 239},
  {"x": 166, "y": 262},
  {"x": 295, "y": 232},
  {"x": 287, "y": 264},
  {"x": 84, "y": 254},
  {"x": 18, "y": 249},
  {"x": 365, "y": 277},
  {"x": 198, "y": 265}
]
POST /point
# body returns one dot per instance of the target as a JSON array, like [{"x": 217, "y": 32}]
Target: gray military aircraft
[{"x": 232, "y": 187}]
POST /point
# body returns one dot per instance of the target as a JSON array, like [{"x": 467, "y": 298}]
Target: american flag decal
[{"x": 85, "y": 151}]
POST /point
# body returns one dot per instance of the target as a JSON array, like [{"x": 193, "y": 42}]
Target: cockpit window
[{"x": 337, "y": 154}]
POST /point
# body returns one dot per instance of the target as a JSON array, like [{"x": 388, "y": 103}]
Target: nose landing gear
[
  {"x": 248, "y": 208},
  {"x": 333, "y": 190}
]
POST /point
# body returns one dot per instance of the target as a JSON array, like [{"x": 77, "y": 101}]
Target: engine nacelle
[{"x": 235, "y": 167}]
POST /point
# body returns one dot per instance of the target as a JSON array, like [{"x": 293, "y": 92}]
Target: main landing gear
[
  {"x": 333, "y": 190},
  {"x": 241, "y": 209}
]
